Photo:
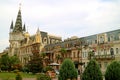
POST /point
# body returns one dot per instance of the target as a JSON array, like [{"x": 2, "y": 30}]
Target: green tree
[
  {"x": 67, "y": 70},
  {"x": 35, "y": 65},
  {"x": 9, "y": 63},
  {"x": 15, "y": 63},
  {"x": 5, "y": 62},
  {"x": 63, "y": 52},
  {"x": 92, "y": 71},
  {"x": 58, "y": 57},
  {"x": 43, "y": 55},
  {"x": 113, "y": 71}
]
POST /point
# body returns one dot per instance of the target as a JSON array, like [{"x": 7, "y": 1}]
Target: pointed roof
[
  {"x": 24, "y": 28},
  {"x": 38, "y": 31},
  {"x": 11, "y": 26},
  {"x": 18, "y": 24}
]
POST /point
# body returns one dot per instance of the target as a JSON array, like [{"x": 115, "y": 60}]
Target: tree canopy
[
  {"x": 92, "y": 71},
  {"x": 9, "y": 63},
  {"x": 67, "y": 70},
  {"x": 35, "y": 65},
  {"x": 113, "y": 71}
]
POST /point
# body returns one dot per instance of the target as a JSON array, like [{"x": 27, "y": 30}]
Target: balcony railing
[{"x": 104, "y": 57}]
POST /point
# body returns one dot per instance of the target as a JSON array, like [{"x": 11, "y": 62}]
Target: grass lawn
[{"x": 11, "y": 75}]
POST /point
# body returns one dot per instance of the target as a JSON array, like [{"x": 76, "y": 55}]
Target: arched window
[
  {"x": 45, "y": 40},
  {"x": 112, "y": 51},
  {"x": 111, "y": 38}
]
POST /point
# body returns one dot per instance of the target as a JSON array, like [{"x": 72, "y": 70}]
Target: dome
[{"x": 27, "y": 34}]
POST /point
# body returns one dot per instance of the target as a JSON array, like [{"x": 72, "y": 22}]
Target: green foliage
[
  {"x": 18, "y": 77},
  {"x": 12, "y": 75},
  {"x": 113, "y": 71},
  {"x": 43, "y": 77},
  {"x": 43, "y": 55},
  {"x": 48, "y": 68},
  {"x": 35, "y": 65},
  {"x": 63, "y": 50},
  {"x": 92, "y": 71},
  {"x": 90, "y": 54},
  {"x": 9, "y": 63},
  {"x": 5, "y": 60},
  {"x": 67, "y": 70},
  {"x": 58, "y": 57}
]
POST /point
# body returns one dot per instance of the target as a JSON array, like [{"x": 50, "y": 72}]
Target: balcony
[{"x": 105, "y": 57}]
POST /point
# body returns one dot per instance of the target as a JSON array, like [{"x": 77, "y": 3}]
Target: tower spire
[
  {"x": 18, "y": 24},
  {"x": 24, "y": 28},
  {"x": 11, "y": 26}
]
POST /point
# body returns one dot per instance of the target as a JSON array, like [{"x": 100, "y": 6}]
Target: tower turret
[
  {"x": 18, "y": 23},
  {"x": 11, "y": 27},
  {"x": 16, "y": 35},
  {"x": 24, "y": 28}
]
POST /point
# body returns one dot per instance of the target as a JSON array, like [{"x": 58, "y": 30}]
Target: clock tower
[{"x": 16, "y": 35}]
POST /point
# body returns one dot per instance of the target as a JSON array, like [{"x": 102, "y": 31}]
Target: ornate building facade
[
  {"x": 23, "y": 44},
  {"x": 105, "y": 46}
]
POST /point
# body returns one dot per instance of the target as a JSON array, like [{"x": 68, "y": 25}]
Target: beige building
[
  {"x": 105, "y": 46},
  {"x": 23, "y": 44}
]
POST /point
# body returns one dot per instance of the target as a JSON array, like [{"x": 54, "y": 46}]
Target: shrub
[
  {"x": 18, "y": 77},
  {"x": 92, "y": 71},
  {"x": 113, "y": 71},
  {"x": 67, "y": 70},
  {"x": 43, "y": 77}
]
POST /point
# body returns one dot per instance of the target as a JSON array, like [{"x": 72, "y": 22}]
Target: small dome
[{"x": 27, "y": 34}]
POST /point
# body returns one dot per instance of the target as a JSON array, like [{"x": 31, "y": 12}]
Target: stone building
[
  {"x": 104, "y": 46},
  {"x": 23, "y": 44}
]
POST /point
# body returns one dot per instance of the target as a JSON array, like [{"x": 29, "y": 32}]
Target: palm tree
[
  {"x": 58, "y": 57},
  {"x": 63, "y": 52}
]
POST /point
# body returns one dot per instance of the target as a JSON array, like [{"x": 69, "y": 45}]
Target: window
[
  {"x": 117, "y": 51},
  {"x": 112, "y": 51},
  {"x": 105, "y": 52},
  {"x": 111, "y": 38},
  {"x": 101, "y": 39},
  {"x": 95, "y": 41},
  {"x": 74, "y": 54},
  {"x": 45, "y": 40}
]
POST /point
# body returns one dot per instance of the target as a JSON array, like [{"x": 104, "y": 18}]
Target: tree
[
  {"x": 58, "y": 57},
  {"x": 15, "y": 63},
  {"x": 35, "y": 65},
  {"x": 43, "y": 55},
  {"x": 113, "y": 71},
  {"x": 67, "y": 70},
  {"x": 10, "y": 63},
  {"x": 5, "y": 62},
  {"x": 92, "y": 71},
  {"x": 63, "y": 52}
]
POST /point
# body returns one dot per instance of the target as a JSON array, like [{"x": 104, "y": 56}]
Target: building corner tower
[{"x": 16, "y": 34}]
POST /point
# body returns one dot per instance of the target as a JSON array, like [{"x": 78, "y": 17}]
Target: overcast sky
[{"x": 63, "y": 18}]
